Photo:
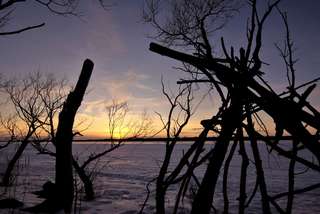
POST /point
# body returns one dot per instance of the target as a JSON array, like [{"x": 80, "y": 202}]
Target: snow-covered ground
[{"x": 121, "y": 178}]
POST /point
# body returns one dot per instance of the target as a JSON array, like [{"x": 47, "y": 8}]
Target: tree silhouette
[
  {"x": 244, "y": 95},
  {"x": 26, "y": 100},
  {"x": 64, "y": 138},
  {"x": 178, "y": 117},
  {"x": 121, "y": 129}
]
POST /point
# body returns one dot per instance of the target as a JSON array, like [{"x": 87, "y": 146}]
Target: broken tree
[{"x": 64, "y": 138}]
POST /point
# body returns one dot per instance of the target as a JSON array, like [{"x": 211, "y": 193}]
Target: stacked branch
[{"x": 244, "y": 94}]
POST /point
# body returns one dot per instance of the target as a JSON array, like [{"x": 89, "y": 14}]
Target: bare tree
[
  {"x": 243, "y": 92},
  {"x": 51, "y": 96},
  {"x": 62, "y": 196},
  {"x": 117, "y": 120},
  {"x": 120, "y": 128},
  {"x": 26, "y": 101},
  {"x": 50, "y": 93},
  {"x": 177, "y": 118}
]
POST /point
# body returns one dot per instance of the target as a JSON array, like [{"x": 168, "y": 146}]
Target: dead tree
[
  {"x": 49, "y": 94},
  {"x": 64, "y": 138},
  {"x": 53, "y": 95},
  {"x": 242, "y": 77},
  {"x": 293, "y": 128}
]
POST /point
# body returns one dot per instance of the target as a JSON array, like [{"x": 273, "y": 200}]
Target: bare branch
[{"x": 21, "y": 30}]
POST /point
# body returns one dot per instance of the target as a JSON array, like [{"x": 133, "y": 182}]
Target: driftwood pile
[{"x": 244, "y": 95}]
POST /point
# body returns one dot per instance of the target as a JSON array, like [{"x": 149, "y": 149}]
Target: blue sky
[{"x": 117, "y": 41}]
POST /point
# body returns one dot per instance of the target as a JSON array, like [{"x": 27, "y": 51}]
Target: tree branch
[{"x": 21, "y": 30}]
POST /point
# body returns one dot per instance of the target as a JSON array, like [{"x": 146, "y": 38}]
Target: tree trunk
[
  {"x": 6, "y": 180},
  {"x": 291, "y": 177},
  {"x": 85, "y": 179},
  {"x": 243, "y": 175},
  {"x": 87, "y": 183},
  {"x": 229, "y": 122},
  {"x": 258, "y": 163},
  {"x": 160, "y": 199},
  {"x": 225, "y": 178},
  {"x": 64, "y": 137},
  {"x": 160, "y": 186}
]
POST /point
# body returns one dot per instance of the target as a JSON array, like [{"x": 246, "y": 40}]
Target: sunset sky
[{"x": 125, "y": 70}]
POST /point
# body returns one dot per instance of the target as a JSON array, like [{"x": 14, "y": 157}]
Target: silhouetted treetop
[{"x": 188, "y": 23}]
